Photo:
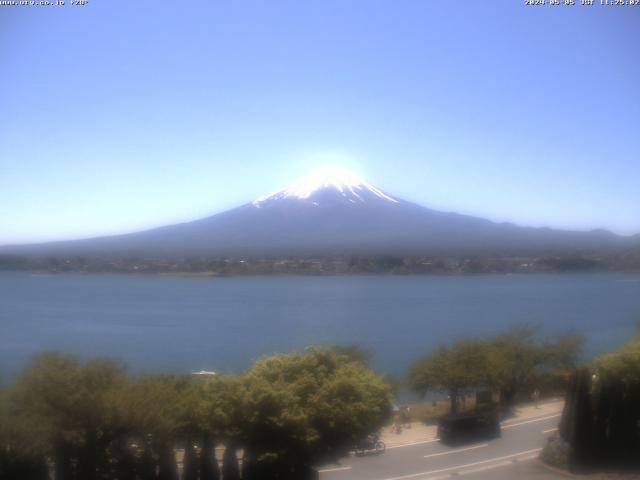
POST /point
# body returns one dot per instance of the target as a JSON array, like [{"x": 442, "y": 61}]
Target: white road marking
[
  {"x": 455, "y": 467},
  {"x": 336, "y": 469},
  {"x": 550, "y": 430},
  {"x": 457, "y": 450},
  {"x": 531, "y": 421},
  {"x": 494, "y": 465},
  {"x": 484, "y": 468},
  {"x": 421, "y": 442},
  {"x": 537, "y": 417}
]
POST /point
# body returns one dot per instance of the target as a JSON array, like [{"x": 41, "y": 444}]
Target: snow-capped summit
[{"x": 328, "y": 183}]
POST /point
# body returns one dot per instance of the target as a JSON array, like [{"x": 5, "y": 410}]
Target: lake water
[{"x": 222, "y": 324}]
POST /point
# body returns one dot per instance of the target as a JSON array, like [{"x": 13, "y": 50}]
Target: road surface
[{"x": 513, "y": 455}]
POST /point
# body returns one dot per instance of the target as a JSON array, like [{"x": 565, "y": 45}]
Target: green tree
[
  {"x": 76, "y": 407},
  {"x": 622, "y": 364},
  {"x": 353, "y": 352},
  {"x": 602, "y": 411},
  {"x": 509, "y": 363},
  {"x": 514, "y": 357},
  {"x": 454, "y": 369},
  {"x": 220, "y": 411},
  {"x": 93, "y": 420},
  {"x": 302, "y": 408},
  {"x": 162, "y": 405},
  {"x": 23, "y": 443},
  {"x": 517, "y": 360}
]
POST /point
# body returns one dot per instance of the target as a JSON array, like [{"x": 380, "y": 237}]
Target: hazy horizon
[{"x": 262, "y": 197}]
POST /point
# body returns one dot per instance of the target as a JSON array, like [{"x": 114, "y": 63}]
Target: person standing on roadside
[
  {"x": 405, "y": 414},
  {"x": 536, "y": 397},
  {"x": 397, "y": 423}
]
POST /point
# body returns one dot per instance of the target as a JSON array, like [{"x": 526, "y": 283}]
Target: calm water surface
[{"x": 220, "y": 324}]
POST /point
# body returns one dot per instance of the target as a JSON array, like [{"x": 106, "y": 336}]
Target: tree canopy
[
  {"x": 311, "y": 406},
  {"x": 94, "y": 420},
  {"x": 508, "y": 363},
  {"x": 452, "y": 369},
  {"x": 602, "y": 411}
]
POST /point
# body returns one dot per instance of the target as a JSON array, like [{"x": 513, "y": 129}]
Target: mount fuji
[
  {"x": 334, "y": 212},
  {"x": 327, "y": 185}
]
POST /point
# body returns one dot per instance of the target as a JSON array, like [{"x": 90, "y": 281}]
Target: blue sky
[{"x": 119, "y": 116}]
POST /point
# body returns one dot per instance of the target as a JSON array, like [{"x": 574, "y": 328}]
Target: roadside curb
[{"x": 557, "y": 470}]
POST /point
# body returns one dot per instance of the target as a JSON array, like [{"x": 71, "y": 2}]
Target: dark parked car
[{"x": 468, "y": 427}]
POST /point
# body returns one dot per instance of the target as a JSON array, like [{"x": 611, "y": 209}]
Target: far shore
[
  {"x": 327, "y": 266},
  {"x": 215, "y": 274}
]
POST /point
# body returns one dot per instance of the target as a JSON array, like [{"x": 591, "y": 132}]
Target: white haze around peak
[{"x": 336, "y": 177}]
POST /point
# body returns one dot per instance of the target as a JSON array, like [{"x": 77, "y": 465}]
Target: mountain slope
[{"x": 333, "y": 212}]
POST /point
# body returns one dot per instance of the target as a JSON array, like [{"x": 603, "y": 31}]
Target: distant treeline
[{"x": 382, "y": 264}]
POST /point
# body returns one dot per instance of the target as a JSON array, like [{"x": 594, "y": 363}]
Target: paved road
[{"x": 511, "y": 456}]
